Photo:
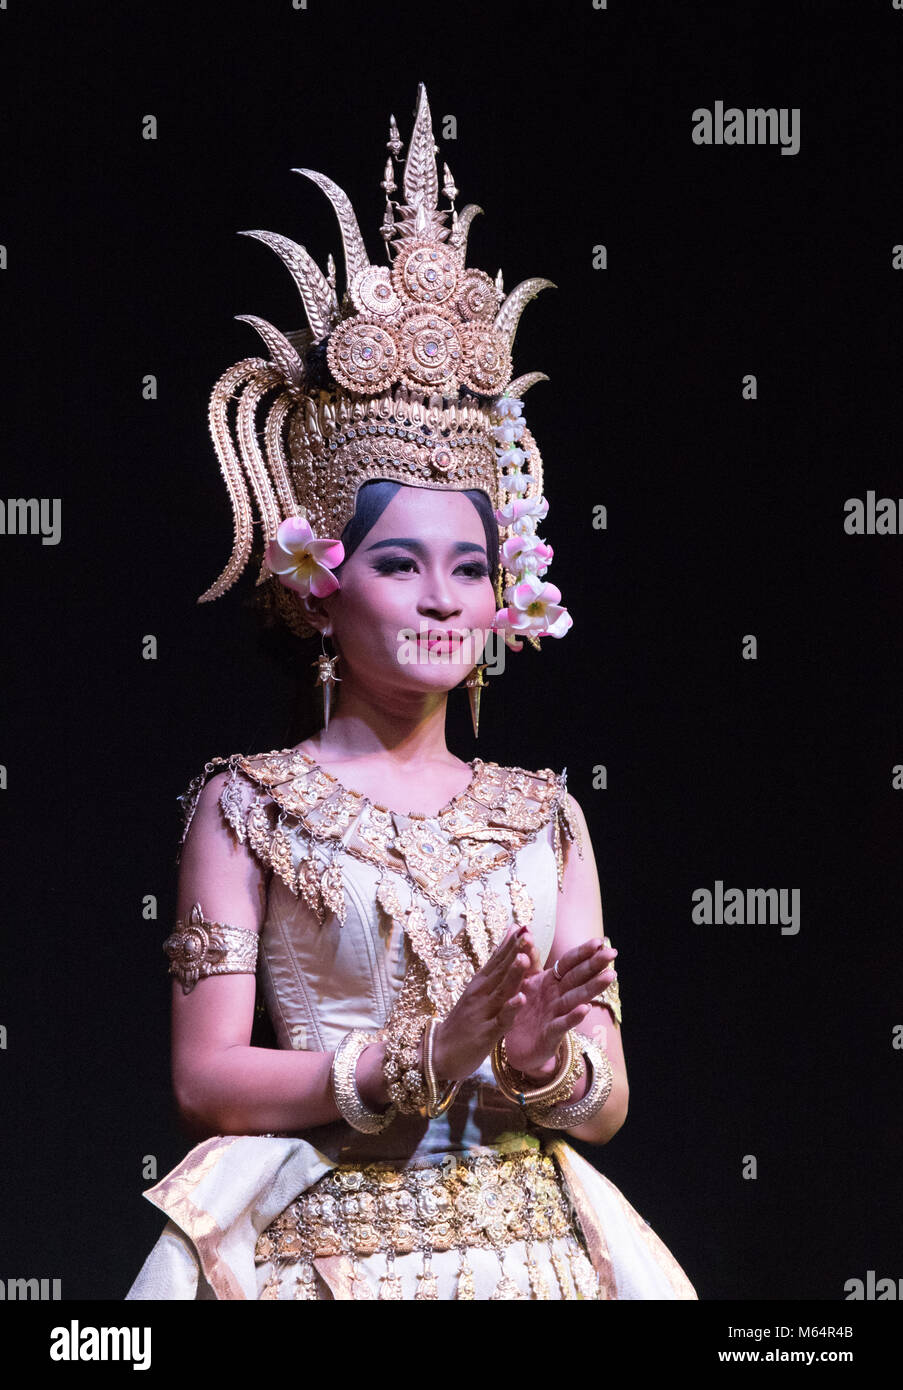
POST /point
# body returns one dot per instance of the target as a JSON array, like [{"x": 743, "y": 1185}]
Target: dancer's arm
[
  {"x": 225, "y": 1086},
  {"x": 222, "y": 1084},
  {"x": 579, "y": 919}
]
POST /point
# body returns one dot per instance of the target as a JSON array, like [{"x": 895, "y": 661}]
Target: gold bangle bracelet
[
  {"x": 434, "y": 1105},
  {"x": 538, "y": 1094},
  {"x": 570, "y": 1113}
]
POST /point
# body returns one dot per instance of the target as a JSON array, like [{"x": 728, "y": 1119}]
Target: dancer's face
[{"x": 422, "y": 566}]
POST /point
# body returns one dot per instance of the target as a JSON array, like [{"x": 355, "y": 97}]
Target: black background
[{"x": 725, "y": 518}]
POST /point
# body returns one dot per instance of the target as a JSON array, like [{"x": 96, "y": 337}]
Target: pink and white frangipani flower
[
  {"x": 520, "y": 509},
  {"x": 302, "y": 562},
  {"x": 501, "y": 625},
  {"x": 526, "y": 555},
  {"x": 534, "y": 610}
]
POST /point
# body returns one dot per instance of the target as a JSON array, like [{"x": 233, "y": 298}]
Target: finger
[
  {"x": 502, "y": 955},
  {"x": 573, "y": 1018},
  {"x": 600, "y": 960},
  {"x": 529, "y": 945},
  {"x": 554, "y": 1033},
  {"x": 580, "y": 953},
  {"x": 575, "y": 1014},
  {"x": 508, "y": 1012},
  {"x": 526, "y": 943},
  {"x": 510, "y": 943},
  {"x": 513, "y": 977},
  {"x": 586, "y": 993}
]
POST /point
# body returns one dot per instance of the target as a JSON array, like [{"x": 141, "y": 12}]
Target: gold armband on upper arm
[{"x": 198, "y": 948}]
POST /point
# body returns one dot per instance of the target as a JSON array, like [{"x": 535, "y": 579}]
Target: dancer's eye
[
  {"x": 474, "y": 569},
  {"x": 392, "y": 563}
]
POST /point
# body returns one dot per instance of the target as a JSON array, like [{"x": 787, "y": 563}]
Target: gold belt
[{"x": 466, "y": 1200}]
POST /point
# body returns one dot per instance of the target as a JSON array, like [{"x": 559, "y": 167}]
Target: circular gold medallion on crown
[
  {"x": 363, "y": 356},
  {"x": 426, "y": 272},
  {"x": 485, "y": 358},
  {"x": 372, "y": 292},
  {"x": 477, "y": 296},
  {"x": 442, "y": 459},
  {"x": 430, "y": 350}
]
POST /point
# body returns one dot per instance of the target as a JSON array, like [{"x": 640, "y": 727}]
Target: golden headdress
[{"x": 416, "y": 387}]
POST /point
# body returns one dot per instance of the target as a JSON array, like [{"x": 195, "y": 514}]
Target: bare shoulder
[{"x": 217, "y": 869}]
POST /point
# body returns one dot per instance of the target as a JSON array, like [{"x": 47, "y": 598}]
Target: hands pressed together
[{"x": 512, "y": 996}]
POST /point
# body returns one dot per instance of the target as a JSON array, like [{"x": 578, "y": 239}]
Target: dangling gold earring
[
  {"x": 475, "y": 685},
  {"x": 326, "y": 678}
]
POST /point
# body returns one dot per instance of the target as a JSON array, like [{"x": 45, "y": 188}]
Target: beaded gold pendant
[
  {"x": 560, "y": 1266},
  {"x": 466, "y": 1288},
  {"x": 281, "y": 852},
  {"x": 427, "y": 1283},
  {"x": 538, "y": 1285},
  {"x": 390, "y": 1288},
  {"x": 584, "y": 1275},
  {"x": 305, "y": 1283},
  {"x": 447, "y": 963},
  {"x": 332, "y": 889},
  {"x": 361, "y": 1289},
  {"x": 506, "y": 1289},
  {"x": 521, "y": 902},
  {"x": 307, "y": 883},
  {"x": 387, "y": 895},
  {"x": 476, "y": 931},
  {"x": 494, "y": 916}
]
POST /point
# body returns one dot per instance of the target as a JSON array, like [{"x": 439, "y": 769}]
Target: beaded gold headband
[{"x": 407, "y": 379}]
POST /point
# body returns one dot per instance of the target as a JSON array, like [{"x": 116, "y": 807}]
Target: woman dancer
[{"x": 427, "y": 934}]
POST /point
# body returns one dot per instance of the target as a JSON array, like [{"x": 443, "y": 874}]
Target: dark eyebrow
[{"x": 419, "y": 549}]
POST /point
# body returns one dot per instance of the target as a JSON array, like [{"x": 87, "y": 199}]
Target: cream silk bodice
[{"x": 359, "y": 895}]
